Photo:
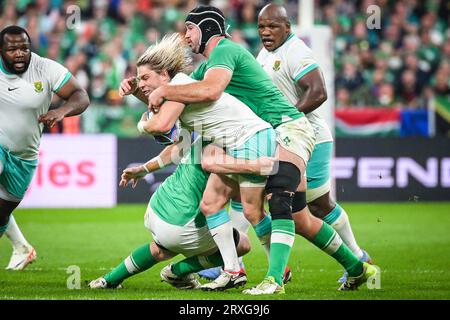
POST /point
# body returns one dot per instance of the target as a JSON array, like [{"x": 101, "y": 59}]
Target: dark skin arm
[
  {"x": 77, "y": 100},
  {"x": 314, "y": 91}
]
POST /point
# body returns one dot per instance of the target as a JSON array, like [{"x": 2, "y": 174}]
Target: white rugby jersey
[
  {"x": 227, "y": 121},
  {"x": 285, "y": 66},
  {"x": 23, "y": 98}
]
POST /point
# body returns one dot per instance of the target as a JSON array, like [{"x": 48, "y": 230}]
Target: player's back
[
  {"x": 249, "y": 83},
  {"x": 177, "y": 199},
  {"x": 227, "y": 121}
]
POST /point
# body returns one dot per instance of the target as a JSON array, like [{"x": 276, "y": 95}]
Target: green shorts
[
  {"x": 261, "y": 144},
  {"x": 16, "y": 174}
]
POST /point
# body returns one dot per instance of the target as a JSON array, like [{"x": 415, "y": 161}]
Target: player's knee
[
  {"x": 299, "y": 201},
  {"x": 253, "y": 214},
  {"x": 157, "y": 252},
  {"x": 208, "y": 208},
  {"x": 280, "y": 205},
  {"x": 316, "y": 210},
  {"x": 280, "y": 189},
  {"x": 210, "y": 205}
]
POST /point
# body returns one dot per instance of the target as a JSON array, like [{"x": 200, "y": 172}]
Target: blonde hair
[{"x": 170, "y": 54}]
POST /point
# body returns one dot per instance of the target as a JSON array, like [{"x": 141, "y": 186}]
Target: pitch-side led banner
[
  {"x": 134, "y": 152},
  {"x": 395, "y": 169},
  {"x": 75, "y": 171}
]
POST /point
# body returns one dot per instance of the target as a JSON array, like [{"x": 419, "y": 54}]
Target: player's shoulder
[
  {"x": 225, "y": 42},
  {"x": 181, "y": 78},
  {"x": 229, "y": 46},
  {"x": 298, "y": 46},
  {"x": 263, "y": 53},
  {"x": 40, "y": 63},
  {"x": 37, "y": 62}
]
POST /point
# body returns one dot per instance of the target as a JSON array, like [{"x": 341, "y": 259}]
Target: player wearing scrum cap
[{"x": 230, "y": 68}]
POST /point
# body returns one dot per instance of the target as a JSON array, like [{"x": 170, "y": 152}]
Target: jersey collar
[
  {"x": 13, "y": 75},
  {"x": 289, "y": 37}
]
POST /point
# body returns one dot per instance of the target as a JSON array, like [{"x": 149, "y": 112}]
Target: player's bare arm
[
  {"x": 215, "y": 160},
  {"x": 164, "y": 120},
  {"x": 208, "y": 90},
  {"x": 77, "y": 100},
  {"x": 130, "y": 86},
  {"x": 134, "y": 174},
  {"x": 314, "y": 91}
]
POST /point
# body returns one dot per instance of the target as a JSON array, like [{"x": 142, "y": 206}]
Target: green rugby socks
[
  {"x": 329, "y": 241},
  {"x": 196, "y": 264},
  {"x": 282, "y": 240},
  {"x": 140, "y": 260}
]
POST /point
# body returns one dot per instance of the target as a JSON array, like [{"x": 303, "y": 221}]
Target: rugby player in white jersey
[
  {"x": 290, "y": 64},
  {"x": 227, "y": 122},
  {"x": 27, "y": 85}
]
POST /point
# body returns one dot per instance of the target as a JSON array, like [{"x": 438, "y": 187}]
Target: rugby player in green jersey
[
  {"x": 230, "y": 124},
  {"x": 230, "y": 68},
  {"x": 177, "y": 226}
]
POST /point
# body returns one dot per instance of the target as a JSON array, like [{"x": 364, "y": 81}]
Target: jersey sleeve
[
  {"x": 224, "y": 57},
  {"x": 300, "y": 61},
  {"x": 58, "y": 75}
]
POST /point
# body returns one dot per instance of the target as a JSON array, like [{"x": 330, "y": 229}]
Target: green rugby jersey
[
  {"x": 177, "y": 199},
  {"x": 249, "y": 83}
]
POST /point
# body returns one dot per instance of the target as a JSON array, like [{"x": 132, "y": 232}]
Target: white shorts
[
  {"x": 297, "y": 136},
  {"x": 262, "y": 143},
  {"x": 313, "y": 194},
  {"x": 187, "y": 240}
]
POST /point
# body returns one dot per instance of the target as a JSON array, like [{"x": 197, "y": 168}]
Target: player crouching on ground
[{"x": 177, "y": 226}]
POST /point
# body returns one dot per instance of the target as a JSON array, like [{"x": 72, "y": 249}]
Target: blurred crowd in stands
[{"x": 404, "y": 63}]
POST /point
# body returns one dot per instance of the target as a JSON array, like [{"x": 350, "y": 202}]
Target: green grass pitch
[{"x": 410, "y": 243}]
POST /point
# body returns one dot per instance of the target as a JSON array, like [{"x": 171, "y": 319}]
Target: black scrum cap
[{"x": 210, "y": 21}]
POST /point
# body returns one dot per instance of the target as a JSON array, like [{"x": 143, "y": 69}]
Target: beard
[{"x": 12, "y": 69}]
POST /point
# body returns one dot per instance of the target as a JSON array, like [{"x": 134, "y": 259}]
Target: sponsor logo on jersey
[{"x": 38, "y": 86}]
